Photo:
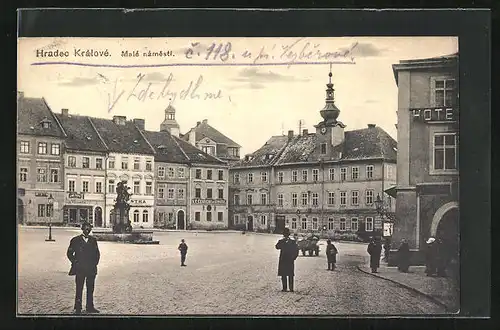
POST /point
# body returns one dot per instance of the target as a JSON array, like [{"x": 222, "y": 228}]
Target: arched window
[
  {"x": 136, "y": 216},
  {"x": 145, "y": 216},
  {"x": 330, "y": 224}
]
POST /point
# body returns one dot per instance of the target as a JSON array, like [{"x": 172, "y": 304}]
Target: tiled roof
[
  {"x": 171, "y": 149},
  {"x": 122, "y": 138},
  {"x": 203, "y": 130},
  {"x": 265, "y": 155},
  {"x": 359, "y": 144},
  {"x": 31, "y": 113},
  {"x": 80, "y": 133}
]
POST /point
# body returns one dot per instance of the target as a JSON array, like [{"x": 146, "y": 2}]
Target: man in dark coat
[
  {"x": 403, "y": 256},
  {"x": 184, "y": 249},
  {"x": 430, "y": 257},
  {"x": 289, "y": 251},
  {"x": 331, "y": 254},
  {"x": 374, "y": 250},
  {"x": 84, "y": 255}
]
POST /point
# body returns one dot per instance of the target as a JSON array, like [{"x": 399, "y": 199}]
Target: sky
[{"x": 247, "y": 102}]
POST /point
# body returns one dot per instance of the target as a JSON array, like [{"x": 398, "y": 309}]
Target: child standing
[
  {"x": 331, "y": 254},
  {"x": 183, "y": 248}
]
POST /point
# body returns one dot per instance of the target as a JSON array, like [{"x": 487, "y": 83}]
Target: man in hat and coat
[
  {"x": 289, "y": 251},
  {"x": 430, "y": 257},
  {"x": 374, "y": 250},
  {"x": 331, "y": 254},
  {"x": 84, "y": 255}
]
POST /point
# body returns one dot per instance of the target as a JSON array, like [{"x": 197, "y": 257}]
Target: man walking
[
  {"x": 331, "y": 254},
  {"x": 289, "y": 251},
  {"x": 374, "y": 250},
  {"x": 183, "y": 248},
  {"x": 84, "y": 255}
]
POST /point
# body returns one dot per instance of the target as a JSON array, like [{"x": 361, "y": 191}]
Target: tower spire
[{"x": 330, "y": 112}]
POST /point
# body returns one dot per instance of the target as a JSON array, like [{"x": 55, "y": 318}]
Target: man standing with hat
[
  {"x": 84, "y": 255},
  {"x": 289, "y": 251}
]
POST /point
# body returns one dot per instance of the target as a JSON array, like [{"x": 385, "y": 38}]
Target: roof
[
  {"x": 170, "y": 149},
  {"x": 425, "y": 63},
  {"x": 30, "y": 114},
  {"x": 367, "y": 143},
  {"x": 81, "y": 135},
  {"x": 122, "y": 138},
  {"x": 265, "y": 155},
  {"x": 203, "y": 130}
]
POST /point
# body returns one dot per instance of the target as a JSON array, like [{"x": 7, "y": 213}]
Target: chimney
[
  {"x": 140, "y": 123},
  {"x": 305, "y": 132},
  {"x": 371, "y": 125},
  {"x": 192, "y": 137},
  {"x": 119, "y": 120},
  {"x": 65, "y": 112},
  {"x": 290, "y": 135},
  {"x": 205, "y": 121}
]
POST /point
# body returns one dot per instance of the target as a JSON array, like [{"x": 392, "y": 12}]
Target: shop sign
[
  {"x": 73, "y": 194},
  {"x": 434, "y": 114},
  {"x": 41, "y": 194},
  {"x": 138, "y": 201},
  {"x": 78, "y": 201},
  {"x": 209, "y": 201}
]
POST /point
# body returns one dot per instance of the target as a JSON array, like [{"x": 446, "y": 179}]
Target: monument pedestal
[{"x": 135, "y": 237}]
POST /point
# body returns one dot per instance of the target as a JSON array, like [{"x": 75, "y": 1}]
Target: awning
[{"x": 391, "y": 191}]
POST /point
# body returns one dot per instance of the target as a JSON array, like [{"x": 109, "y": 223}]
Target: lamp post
[
  {"x": 384, "y": 211},
  {"x": 51, "y": 203}
]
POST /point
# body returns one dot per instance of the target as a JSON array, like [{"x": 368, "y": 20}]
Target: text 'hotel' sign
[{"x": 434, "y": 114}]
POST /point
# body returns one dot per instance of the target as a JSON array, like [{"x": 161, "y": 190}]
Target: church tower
[
  {"x": 330, "y": 129},
  {"x": 170, "y": 124}
]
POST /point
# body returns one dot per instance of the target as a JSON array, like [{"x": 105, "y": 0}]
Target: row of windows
[
  {"x": 137, "y": 164},
  {"x": 262, "y": 219},
  {"x": 208, "y": 174},
  {"x": 42, "y": 174},
  {"x": 343, "y": 224},
  {"x": 45, "y": 210},
  {"x": 137, "y": 215},
  {"x": 209, "y": 193},
  {"x": 43, "y": 148},
  {"x": 208, "y": 216},
  {"x": 98, "y": 162},
  {"x": 171, "y": 172},
  {"x": 170, "y": 193}
]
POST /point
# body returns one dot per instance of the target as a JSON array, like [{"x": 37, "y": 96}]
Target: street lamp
[
  {"x": 51, "y": 203},
  {"x": 384, "y": 211}
]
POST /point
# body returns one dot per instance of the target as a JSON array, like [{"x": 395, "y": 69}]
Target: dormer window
[{"x": 45, "y": 123}]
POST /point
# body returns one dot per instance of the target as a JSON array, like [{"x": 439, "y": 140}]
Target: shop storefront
[{"x": 77, "y": 209}]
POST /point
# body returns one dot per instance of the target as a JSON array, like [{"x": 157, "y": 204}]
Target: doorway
[
  {"x": 98, "y": 217},
  {"x": 280, "y": 224},
  {"x": 250, "y": 223},
  {"x": 20, "y": 211},
  {"x": 181, "y": 223}
]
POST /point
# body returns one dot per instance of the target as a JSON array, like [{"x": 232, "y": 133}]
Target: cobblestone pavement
[{"x": 225, "y": 274}]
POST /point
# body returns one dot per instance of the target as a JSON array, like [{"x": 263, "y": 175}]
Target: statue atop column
[{"x": 121, "y": 209}]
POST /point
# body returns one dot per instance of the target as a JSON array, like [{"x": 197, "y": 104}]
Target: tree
[{"x": 122, "y": 207}]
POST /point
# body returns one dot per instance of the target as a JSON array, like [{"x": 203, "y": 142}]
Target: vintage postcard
[{"x": 238, "y": 176}]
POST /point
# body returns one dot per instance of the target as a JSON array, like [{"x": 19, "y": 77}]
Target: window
[
  {"x": 170, "y": 193},
  {"x": 208, "y": 149},
  {"x": 180, "y": 172},
  {"x": 331, "y": 174},
  {"x": 197, "y": 216},
  {"x": 263, "y": 220},
  {"x": 294, "y": 176},
  {"x": 221, "y": 175},
  {"x": 98, "y": 163},
  {"x": 220, "y": 216},
  {"x": 54, "y": 175},
  {"x": 369, "y": 197},
  {"x": 342, "y": 224},
  {"x": 445, "y": 151},
  {"x": 369, "y": 224},
  {"x": 171, "y": 172},
  {"x": 149, "y": 165},
  {"x": 315, "y": 224},
  {"x": 354, "y": 197},
  {"x": 330, "y": 224},
  {"x": 236, "y": 199},
  {"x": 197, "y": 193},
  {"x": 137, "y": 187},
  {"x": 249, "y": 199},
  {"x": 354, "y": 224},
  {"x": 444, "y": 92},
  {"x": 124, "y": 163},
  {"x": 236, "y": 219},
  {"x": 137, "y": 163},
  {"x": 354, "y": 172},
  {"x": 304, "y": 175},
  {"x": 263, "y": 199},
  {"x": 145, "y": 216},
  {"x": 41, "y": 175},
  {"x": 111, "y": 187},
  {"x": 136, "y": 216},
  {"x": 369, "y": 171},
  {"x": 323, "y": 148},
  {"x": 55, "y": 149},
  {"x": 171, "y": 116},
  {"x": 209, "y": 174},
  {"x": 315, "y": 198},
  {"x": 294, "y": 199},
  {"x": 234, "y": 152},
  {"x": 86, "y": 162},
  {"x": 71, "y": 185},
  {"x": 209, "y": 193},
  {"x": 331, "y": 198},
  {"x": 161, "y": 192},
  {"x": 343, "y": 173},
  {"x": 41, "y": 210},
  {"x": 85, "y": 186},
  {"x": 111, "y": 162},
  {"x": 390, "y": 172},
  {"x": 46, "y": 124},
  {"x": 304, "y": 199},
  {"x": 250, "y": 177},
  {"x": 98, "y": 187},
  {"x": 343, "y": 201},
  {"x": 25, "y": 147},
  {"x": 280, "y": 177},
  {"x": 49, "y": 210},
  {"x": 315, "y": 175},
  {"x": 280, "y": 200},
  {"x": 161, "y": 171},
  {"x": 209, "y": 216},
  {"x": 23, "y": 174},
  {"x": 149, "y": 188},
  {"x": 303, "y": 224},
  {"x": 263, "y": 176},
  {"x": 198, "y": 173},
  {"x": 294, "y": 223},
  {"x": 42, "y": 148},
  {"x": 180, "y": 193},
  {"x": 236, "y": 178},
  {"x": 220, "y": 193}
]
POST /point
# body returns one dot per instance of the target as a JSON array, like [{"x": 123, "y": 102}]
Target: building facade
[
  {"x": 40, "y": 163},
  {"x": 428, "y": 144}
]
